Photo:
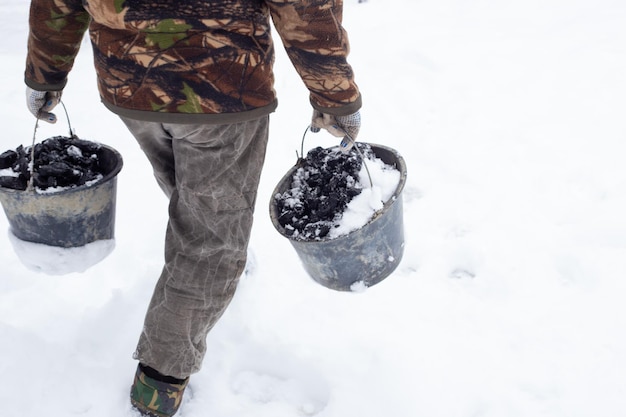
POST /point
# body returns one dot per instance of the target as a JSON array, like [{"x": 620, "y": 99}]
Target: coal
[
  {"x": 326, "y": 180},
  {"x": 7, "y": 159},
  {"x": 60, "y": 162}
]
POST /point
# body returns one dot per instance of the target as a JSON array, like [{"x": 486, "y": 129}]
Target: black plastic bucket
[
  {"x": 68, "y": 218},
  {"x": 362, "y": 257}
]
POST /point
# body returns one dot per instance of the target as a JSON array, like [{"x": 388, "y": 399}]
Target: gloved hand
[
  {"x": 41, "y": 102},
  {"x": 346, "y": 127}
]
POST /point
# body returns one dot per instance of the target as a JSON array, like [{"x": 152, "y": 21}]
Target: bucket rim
[
  {"x": 108, "y": 177},
  {"x": 399, "y": 164}
]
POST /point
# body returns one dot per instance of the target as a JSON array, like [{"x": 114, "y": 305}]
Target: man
[{"x": 193, "y": 82}]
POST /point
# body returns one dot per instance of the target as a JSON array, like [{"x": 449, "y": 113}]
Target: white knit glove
[
  {"x": 346, "y": 127},
  {"x": 41, "y": 102}
]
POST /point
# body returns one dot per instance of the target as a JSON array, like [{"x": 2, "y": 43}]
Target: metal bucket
[
  {"x": 363, "y": 257},
  {"x": 68, "y": 218}
]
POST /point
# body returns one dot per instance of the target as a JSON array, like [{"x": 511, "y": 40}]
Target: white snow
[
  {"x": 379, "y": 182},
  {"x": 8, "y": 172},
  {"x": 509, "y": 300}
]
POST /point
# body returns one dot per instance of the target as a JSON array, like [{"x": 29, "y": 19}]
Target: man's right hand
[{"x": 340, "y": 126}]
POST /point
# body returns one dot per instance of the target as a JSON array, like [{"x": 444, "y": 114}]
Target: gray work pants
[{"x": 210, "y": 174}]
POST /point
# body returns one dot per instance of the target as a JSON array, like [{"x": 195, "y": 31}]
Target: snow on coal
[
  {"x": 61, "y": 162},
  {"x": 321, "y": 188}
]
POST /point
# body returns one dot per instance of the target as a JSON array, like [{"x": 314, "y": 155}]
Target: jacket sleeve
[
  {"x": 318, "y": 46},
  {"x": 56, "y": 31}
]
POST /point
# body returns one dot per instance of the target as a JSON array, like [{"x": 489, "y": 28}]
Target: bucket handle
[
  {"x": 350, "y": 139},
  {"x": 30, "y": 186}
]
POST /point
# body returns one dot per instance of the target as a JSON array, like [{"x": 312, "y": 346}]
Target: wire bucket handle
[
  {"x": 30, "y": 186},
  {"x": 347, "y": 140}
]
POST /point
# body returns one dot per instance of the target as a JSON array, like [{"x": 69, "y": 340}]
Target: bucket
[
  {"x": 68, "y": 218},
  {"x": 363, "y": 257}
]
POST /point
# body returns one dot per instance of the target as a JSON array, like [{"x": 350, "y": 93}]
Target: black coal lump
[
  {"x": 60, "y": 161},
  {"x": 320, "y": 190},
  {"x": 7, "y": 159}
]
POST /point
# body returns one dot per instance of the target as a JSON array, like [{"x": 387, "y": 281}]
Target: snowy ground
[{"x": 509, "y": 299}]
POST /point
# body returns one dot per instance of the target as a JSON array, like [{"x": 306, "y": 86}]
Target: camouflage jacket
[{"x": 193, "y": 61}]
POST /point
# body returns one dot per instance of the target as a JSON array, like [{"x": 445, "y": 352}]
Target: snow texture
[{"x": 509, "y": 300}]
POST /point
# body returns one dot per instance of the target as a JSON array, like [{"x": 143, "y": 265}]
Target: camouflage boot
[{"x": 155, "y": 398}]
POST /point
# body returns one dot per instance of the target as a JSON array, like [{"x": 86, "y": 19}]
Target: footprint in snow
[{"x": 276, "y": 379}]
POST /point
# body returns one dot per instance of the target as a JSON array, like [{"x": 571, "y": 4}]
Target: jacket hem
[{"x": 192, "y": 118}]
